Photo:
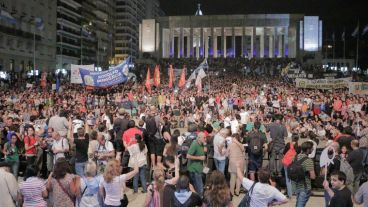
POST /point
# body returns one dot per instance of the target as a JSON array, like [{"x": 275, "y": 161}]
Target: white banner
[
  {"x": 358, "y": 88},
  {"x": 323, "y": 83},
  {"x": 75, "y": 76}
]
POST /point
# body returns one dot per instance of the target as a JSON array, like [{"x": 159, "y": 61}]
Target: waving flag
[
  {"x": 365, "y": 30},
  {"x": 7, "y": 17},
  {"x": 171, "y": 76},
  {"x": 198, "y": 83},
  {"x": 355, "y": 32},
  {"x": 156, "y": 76},
  {"x": 182, "y": 78},
  {"x": 148, "y": 80},
  {"x": 39, "y": 23}
]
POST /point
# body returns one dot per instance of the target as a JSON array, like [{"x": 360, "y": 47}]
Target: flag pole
[
  {"x": 357, "y": 49},
  {"x": 34, "y": 49},
  {"x": 344, "y": 47},
  {"x": 333, "y": 49}
]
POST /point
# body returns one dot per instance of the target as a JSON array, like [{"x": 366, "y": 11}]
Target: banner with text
[
  {"x": 323, "y": 83},
  {"x": 75, "y": 76},
  {"x": 358, "y": 88},
  {"x": 118, "y": 74}
]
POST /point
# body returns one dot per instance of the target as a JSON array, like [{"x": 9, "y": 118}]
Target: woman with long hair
[
  {"x": 218, "y": 192},
  {"x": 154, "y": 197},
  {"x": 30, "y": 145},
  {"x": 63, "y": 184},
  {"x": 32, "y": 192},
  {"x": 171, "y": 147},
  {"x": 138, "y": 155},
  {"x": 236, "y": 154},
  {"x": 112, "y": 182},
  {"x": 11, "y": 152}
]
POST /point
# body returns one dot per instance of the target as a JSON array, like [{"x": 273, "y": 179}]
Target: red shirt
[
  {"x": 129, "y": 136},
  {"x": 30, "y": 141}
]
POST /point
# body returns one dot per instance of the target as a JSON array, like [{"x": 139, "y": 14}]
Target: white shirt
[
  {"x": 137, "y": 156},
  {"x": 106, "y": 148},
  {"x": 234, "y": 126},
  {"x": 113, "y": 190},
  {"x": 227, "y": 121},
  {"x": 244, "y": 116},
  {"x": 77, "y": 124},
  {"x": 61, "y": 144},
  {"x": 263, "y": 194},
  {"x": 217, "y": 141}
]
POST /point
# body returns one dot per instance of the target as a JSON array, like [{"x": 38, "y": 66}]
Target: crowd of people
[{"x": 257, "y": 135}]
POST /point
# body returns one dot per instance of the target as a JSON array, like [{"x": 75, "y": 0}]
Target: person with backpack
[
  {"x": 301, "y": 172},
  {"x": 291, "y": 150},
  {"x": 257, "y": 142},
  {"x": 340, "y": 194},
  {"x": 155, "y": 142}
]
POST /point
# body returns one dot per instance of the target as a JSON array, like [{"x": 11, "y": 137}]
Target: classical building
[
  {"x": 251, "y": 36},
  {"x": 27, "y": 36}
]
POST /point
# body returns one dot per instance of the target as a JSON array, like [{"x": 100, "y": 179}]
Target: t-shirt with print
[{"x": 308, "y": 165}]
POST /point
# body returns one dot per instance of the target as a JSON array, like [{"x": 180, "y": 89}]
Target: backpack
[
  {"x": 346, "y": 168},
  {"x": 151, "y": 126},
  {"x": 186, "y": 144},
  {"x": 296, "y": 171},
  {"x": 255, "y": 144},
  {"x": 155, "y": 200},
  {"x": 289, "y": 156}
]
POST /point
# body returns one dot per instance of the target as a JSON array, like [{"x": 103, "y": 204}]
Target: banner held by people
[
  {"x": 117, "y": 75},
  {"x": 75, "y": 76}
]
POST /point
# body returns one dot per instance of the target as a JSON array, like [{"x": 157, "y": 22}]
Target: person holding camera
[
  {"x": 11, "y": 152},
  {"x": 104, "y": 152},
  {"x": 60, "y": 146}
]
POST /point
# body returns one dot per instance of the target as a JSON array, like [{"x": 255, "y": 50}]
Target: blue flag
[
  {"x": 57, "y": 83},
  {"x": 114, "y": 76}
]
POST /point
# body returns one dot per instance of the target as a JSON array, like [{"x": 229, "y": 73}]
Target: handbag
[
  {"x": 245, "y": 202},
  {"x": 124, "y": 199}
]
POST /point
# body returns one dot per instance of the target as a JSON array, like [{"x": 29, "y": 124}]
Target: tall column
[
  {"x": 191, "y": 42},
  {"x": 188, "y": 44},
  {"x": 206, "y": 44},
  {"x": 233, "y": 41},
  {"x": 253, "y": 41},
  {"x": 215, "y": 54},
  {"x": 201, "y": 52},
  {"x": 286, "y": 42},
  {"x": 270, "y": 44},
  {"x": 181, "y": 37},
  {"x": 243, "y": 48},
  {"x": 171, "y": 43},
  {"x": 212, "y": 51},
  {"x": 262, "y": 43},
  {"x": 280, "y": 45},
  {"x": 223, "y": 42}
]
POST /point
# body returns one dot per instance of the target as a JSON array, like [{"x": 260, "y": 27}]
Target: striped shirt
[
  {"x": 31, "y": 191},
  {"x": 308, "y": 165}
]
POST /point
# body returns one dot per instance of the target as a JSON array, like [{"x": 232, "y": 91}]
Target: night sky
[{"x": 335, "y": 14}]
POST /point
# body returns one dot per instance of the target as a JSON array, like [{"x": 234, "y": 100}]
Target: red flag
[
  {"x": 171, "y": 76},
  {"x": 182, "y": 78},
  {"x": 148, "y": 80},
  {"x": 43, "y": 80},
  {"x": 156, "y": 76}
]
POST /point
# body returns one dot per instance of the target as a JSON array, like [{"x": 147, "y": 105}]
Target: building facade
[
  {"x": 68, "y": 35},
  {"x": 251, "y": 36},
  {"x": 129, "y": 14},
  {"x": 27, "y": 36}
]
